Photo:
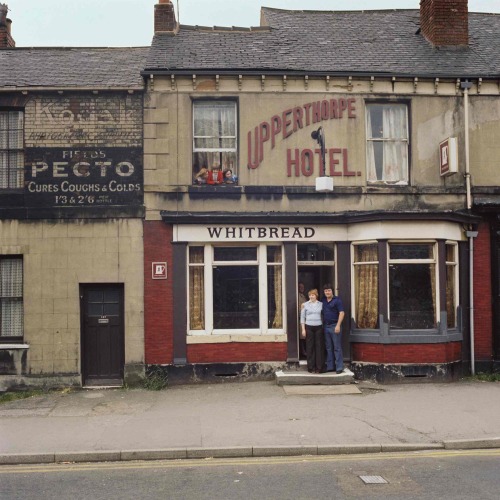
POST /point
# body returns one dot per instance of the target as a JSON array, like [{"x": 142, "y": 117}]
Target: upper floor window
[
  {"x": 214, "y": 142},
  {"x": 11, "y": 298},
  {"x": 11, "y": 149},
  {"x": 387, "y": 143}
]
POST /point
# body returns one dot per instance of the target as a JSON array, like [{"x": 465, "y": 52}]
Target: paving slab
[{"x": 317, "y": 390}]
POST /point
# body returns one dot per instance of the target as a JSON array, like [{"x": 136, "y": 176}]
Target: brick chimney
[
  {"x": 445, "y": 22},
  {"x": 6, "y": 40},
  {"x": 165, "y": 17}
]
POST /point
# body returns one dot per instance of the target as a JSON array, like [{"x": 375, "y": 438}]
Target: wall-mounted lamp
[{"x": 324, "y": 183}]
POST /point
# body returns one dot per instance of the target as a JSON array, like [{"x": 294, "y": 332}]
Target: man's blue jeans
[{"x": 333, "y": 341}]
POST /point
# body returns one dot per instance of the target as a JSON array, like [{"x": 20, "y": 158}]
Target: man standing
[{"x": 333, "y": 315}]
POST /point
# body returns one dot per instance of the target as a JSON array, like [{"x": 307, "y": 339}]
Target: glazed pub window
[
  {"x": 387, "y": 143},
  {"x": 11, "y": 299},
  {"x": 11, "y": 149},
  {"x": 451, "y": 284},
  {"x": 412, "y": 286},
  {"x": 235, "y": 289},
  {"x": 365, "y": 263},
  {"x": 215, "y": 142}
]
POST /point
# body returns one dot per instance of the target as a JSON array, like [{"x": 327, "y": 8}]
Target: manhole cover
[{"x": 373, "y": 480}]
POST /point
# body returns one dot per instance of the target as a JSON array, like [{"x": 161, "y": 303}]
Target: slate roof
[
  {"x": 384, "y": 42},
  {"x": 72, "y": 67}
]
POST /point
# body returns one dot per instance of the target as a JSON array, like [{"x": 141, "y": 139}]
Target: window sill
[
  {"x": 433, "y": 336},
  {"x": 12, "y": 347},
  {"x": 225, "y": 339}
]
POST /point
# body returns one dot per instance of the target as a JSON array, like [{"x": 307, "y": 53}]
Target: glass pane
[
  {"x": 366, "y": 253},
  {"x": 412, "y": 296},
  {"x": 451, "y": 306},
  {"x": 96, "y": 296},
  {"x": 236, "y": 297},
  {"x": 315, "y": 252},
  {"x": 214, "y": 119},
  {"x": 274, "y": 297},
  {"x": 197, "y": 297},
  {"x": 111, "y": 295},
  {"x": 95, "y": 309},
  {"x": 366, "y": 295},
  {"x": 231, "y": 254},
  {"x": 12, "y": 318},
  {"x": 111, "y": 309},
  {"x": 450, "y": 253},
  {"x": 4, "y": 139},
  {"x": 196, "y": 255},
  {"x": 411, "y": 251},
  {"x": 11, "y": 278},
  {"x": 273, "y": 254}
]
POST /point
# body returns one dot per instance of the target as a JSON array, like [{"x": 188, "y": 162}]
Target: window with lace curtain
[
  {"x": 11, "y": 299},
  {"x": 365, "y": 263},
  {"x": 387, "y": 143},
  {"x": 235, "y": 289},
  {"x": 214, "y": 142},
  {"x": 11, "y": 149}
]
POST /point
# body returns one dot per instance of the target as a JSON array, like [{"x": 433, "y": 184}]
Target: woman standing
[{"x": 312, "y": 328}]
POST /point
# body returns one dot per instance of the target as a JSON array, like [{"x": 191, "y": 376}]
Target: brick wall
[
  {"x": 158, "y": 294},
  {"x": 483, "y": 313},
  {"x": 237, "y": 352},
  {"x": 407, "y": 353},
  {"x": 83, "y": 120},
  {"x": 445, "y": 22}
]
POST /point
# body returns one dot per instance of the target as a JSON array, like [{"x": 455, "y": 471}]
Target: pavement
[{"x": 247, "y": 419}]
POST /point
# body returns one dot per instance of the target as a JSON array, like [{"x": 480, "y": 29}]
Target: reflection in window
[
  {"x": 387, "y": 143},
  {"x": 316, "y": 252},
  {"x": 245, "y": 285},
  {"x": 412, "y": 286},
  {"x": 366, "y": 285}
]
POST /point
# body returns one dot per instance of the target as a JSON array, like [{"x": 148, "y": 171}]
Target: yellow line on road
[{"x": 230, "y": 462}]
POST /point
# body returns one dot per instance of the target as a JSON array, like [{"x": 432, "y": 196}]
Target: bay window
[
  {"x": 387, "y": 143},
  {"x": 235, "y": 289}
]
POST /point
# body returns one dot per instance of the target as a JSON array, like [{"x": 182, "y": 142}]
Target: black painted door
[{"x": 102, "y": 334}]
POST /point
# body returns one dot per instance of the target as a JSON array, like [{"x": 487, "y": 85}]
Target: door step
[{"x": 303, "y": 377}]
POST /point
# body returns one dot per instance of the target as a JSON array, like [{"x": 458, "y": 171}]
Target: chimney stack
[
  {"x": 6, "y": 40},
  {"x": 445, "y": 22},
  {"x": 165, "y": 17}
]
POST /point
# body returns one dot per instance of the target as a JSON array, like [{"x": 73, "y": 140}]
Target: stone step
[{"x": 303, "y": 377}]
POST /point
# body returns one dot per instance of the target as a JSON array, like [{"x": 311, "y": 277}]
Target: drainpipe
[{"x": 465, "y": 86}]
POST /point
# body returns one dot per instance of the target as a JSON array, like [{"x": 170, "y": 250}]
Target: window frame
[
  {"x": 19, "y": 150},
  {"x": 262, "y": 265},
  {"x": 235, "y": 150},
  {"x": 368, "y": 138},
  {"x": 19, "y": 339},
  {"x": 456, "y": 277}
]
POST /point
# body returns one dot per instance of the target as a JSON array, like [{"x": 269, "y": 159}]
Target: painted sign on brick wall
[{"x": 65, "y": 177}]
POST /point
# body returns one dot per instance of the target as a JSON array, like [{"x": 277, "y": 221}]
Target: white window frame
[
  {"x": 455, "y": 265},
  {"x": 235, "y": 137},
  {"x": 262, "y": 264},
  {"x": 406, "y": 141}
]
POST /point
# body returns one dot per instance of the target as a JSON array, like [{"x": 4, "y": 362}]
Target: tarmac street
[{"x": 247, "y": 419}]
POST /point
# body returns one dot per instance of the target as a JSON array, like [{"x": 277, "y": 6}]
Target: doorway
[{"x": 102, "y": 313}]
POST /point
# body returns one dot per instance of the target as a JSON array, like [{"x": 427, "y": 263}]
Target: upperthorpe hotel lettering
[
  {"x": 259, "y": 233},
  {"x": 293, "y": 119}
]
